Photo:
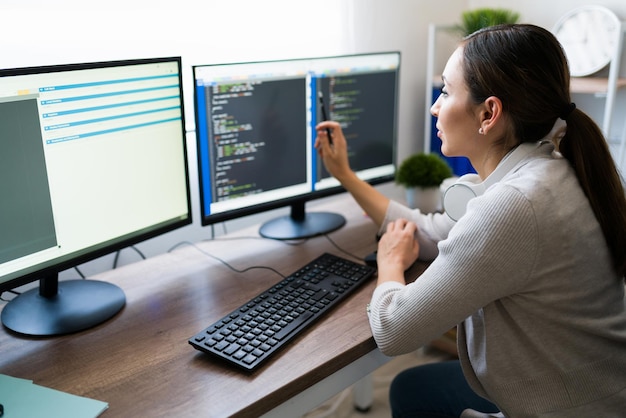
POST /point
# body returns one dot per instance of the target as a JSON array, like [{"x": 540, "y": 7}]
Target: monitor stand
[
  {"x": 62, "y": 307},
  {"x": 301, "y": 224}
]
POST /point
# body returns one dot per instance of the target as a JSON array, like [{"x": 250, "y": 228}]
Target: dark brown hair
[{"x": 526, "y": 68}]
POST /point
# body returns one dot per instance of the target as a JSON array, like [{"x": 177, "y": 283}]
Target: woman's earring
[{"x": 480, "y": 131}]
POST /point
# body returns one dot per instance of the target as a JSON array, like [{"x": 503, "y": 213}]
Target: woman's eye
[{"x": 443, "y": 92}]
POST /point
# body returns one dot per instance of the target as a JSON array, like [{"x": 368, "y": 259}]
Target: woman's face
[{"x": 456, "y": 124}]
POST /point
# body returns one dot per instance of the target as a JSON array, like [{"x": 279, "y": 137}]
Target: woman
[{"x": 533, "y": 271}]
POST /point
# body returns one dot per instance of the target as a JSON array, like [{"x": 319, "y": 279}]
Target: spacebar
[{"x": 293, "y": 325}]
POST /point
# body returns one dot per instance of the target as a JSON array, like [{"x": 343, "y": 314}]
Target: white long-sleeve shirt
[{"x": 528, "y": 277}]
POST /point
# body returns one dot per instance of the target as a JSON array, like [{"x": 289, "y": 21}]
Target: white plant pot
[{"x": 427, "y": 200}]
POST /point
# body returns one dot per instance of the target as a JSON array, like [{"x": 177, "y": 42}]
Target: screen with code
[{"x": 255, "y": 128}]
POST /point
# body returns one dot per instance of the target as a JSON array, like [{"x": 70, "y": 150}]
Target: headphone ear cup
[
  {"x": 469, "y": 186},
  {"x": 457, "y": 196}
]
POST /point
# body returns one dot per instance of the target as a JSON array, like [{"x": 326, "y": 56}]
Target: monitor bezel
[{"x": 52, "y": 267}]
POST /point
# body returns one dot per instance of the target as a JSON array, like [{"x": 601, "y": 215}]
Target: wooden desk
[{"x": 140, "y": 362}]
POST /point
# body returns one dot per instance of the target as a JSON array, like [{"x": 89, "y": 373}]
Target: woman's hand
[
  {"x": 335, "y": 155},
  {"x": 397, "y": 251},
  {"x": 335, "y": 158}
]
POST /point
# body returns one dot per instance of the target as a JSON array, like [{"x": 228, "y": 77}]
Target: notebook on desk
[{"x": 23, "y": 398}]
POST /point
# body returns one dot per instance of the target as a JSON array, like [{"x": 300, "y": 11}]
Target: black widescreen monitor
[
  {"x": 255, "y": 128},
  {"x": 92, "y": 160}
]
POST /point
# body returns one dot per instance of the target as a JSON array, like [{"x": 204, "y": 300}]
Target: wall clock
[{"x": 588, "y": 35}]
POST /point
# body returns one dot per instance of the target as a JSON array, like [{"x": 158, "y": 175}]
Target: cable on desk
[
  {"x": 80, "y": 273},
  {"x": 117, "y": 255},
  {"x": 8, "y": 291},
  {"x": 297, "y": 242},
  {"x": 224, "y": 230},
  {"x": 224, "y": 262},
  {"x": 356, "y": 257}
]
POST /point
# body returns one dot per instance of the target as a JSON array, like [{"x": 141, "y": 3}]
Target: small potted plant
[
  {"x": 421, "y": 174},
  {"x": 473, "y": 20}
]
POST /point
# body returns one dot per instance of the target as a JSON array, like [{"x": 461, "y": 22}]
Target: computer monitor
[
  {"x": 255, "y": 128},
  {"x": 92, "y": 160}
]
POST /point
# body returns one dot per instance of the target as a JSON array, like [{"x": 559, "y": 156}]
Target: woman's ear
[{"x": 490, "y": 112}]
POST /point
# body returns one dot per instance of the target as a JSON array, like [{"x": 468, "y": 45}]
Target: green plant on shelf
[
  {"x": 473, "y": 20},
  {"x": 423, "y": 170}
]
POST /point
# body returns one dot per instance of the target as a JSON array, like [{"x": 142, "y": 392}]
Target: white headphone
[{"x": 469, "y": 186}]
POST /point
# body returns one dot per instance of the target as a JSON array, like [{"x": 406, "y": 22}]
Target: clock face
[{"x": 588, "y": 35}]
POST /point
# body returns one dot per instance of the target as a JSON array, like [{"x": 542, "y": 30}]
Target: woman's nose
[{"x": 434, "y": 109}]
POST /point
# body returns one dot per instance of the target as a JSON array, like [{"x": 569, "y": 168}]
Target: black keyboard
[{"x": 257, "y": 329}]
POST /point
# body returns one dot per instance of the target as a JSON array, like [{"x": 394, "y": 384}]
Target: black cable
[
  {"x": 296, "y": 242},
  {"x": 9, "y": 291},
  {"x": 138, "y": 252},
  {"x": 356, "y": 257},
  {"x": 118, "y": 252},
  {"x": 224, "y": 231},
  {"x": 80, "y": 273},
  {"x": 117, "y": 256},
  {"x": 224, "y": 262}
]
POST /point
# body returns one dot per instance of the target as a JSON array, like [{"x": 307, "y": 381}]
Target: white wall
[{"x": 41, "y": 32}]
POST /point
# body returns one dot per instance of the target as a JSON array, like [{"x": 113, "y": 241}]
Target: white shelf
[{"x": 594, "y": 85}]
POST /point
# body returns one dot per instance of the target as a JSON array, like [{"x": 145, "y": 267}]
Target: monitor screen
[
  {"x": 92, "y": 159},
  {"x": 255, "y": 128}
]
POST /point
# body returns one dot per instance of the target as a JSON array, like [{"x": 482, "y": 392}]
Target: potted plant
[
  {"x": 473, "y": 20},
  {"x": 421, "y": 174}
]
